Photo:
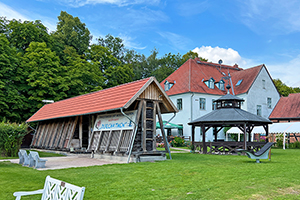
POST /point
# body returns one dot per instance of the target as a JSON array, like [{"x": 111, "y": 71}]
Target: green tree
[
  {"x": 283, "y": 89},
  {"x": 192, "y": 55},
  {"x": 118, "y": 75},
  {"x": 11, "y": 98},
  {"x": 21, "y": 34},
  {"x": 81, "y": 76},
  {"x": 43, "y": 71},
  {"x": 114, "y": 45},
  {"x": 71, "y": 32}
]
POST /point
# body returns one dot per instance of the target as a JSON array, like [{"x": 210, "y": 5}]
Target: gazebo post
[
  {"x": 193, "y": 137},
  {"x": 245, "y": 137},
  {"x": 203, "y": 139},
  {"x": 215, "y": 133},
  {"x": 267, "y": 133}
]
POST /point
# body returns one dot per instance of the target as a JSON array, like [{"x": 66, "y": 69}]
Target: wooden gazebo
[{"x": 228, "y": 114}]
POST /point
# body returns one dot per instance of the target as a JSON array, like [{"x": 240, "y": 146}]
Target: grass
[
  {"x": 41, "y": 154},
  {"x": 186, "y": 176}
]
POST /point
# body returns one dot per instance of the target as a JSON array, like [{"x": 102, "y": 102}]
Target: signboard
[{"x": 115, "y": 121}]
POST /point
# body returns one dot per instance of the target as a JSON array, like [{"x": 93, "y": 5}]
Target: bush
[
  {"x": 11, "y": 136},
  {"x": 295, "y": 145},
  {"x": 279, "y": 140},
  {"x": 178, "y": 142}
]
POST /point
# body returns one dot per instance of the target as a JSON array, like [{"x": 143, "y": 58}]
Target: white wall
[{"x": 258, "y": 95}]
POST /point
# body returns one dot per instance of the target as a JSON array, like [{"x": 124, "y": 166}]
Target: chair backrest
[
  {"x": 34, "y": 154},
  {"x": 264, "y": 149},
  {"x": 23, "y": 152},
  {"x": 56, "y": 189}
]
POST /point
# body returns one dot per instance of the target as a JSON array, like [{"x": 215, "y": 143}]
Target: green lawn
[
  {"x": 41, "y": 154},
  {"x": 187, "y": 176}
]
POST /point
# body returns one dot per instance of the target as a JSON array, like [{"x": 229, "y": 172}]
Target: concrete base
[{"x": 123, "y": 159}]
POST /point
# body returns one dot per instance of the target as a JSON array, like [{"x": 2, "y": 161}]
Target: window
[
  {"x": 202, "y": 103},
  {"x": 169, "y": 132},
  {"x": 214, "y": 105},
  {"x": 179, "y": 104},
  {"x": 258, "y": 110},
  {"x": 264, "y": 84},
  {"x": 168, "y": 85},
  {"x": 239, "y": 82},
  {"x": 210, "y": 83},
  {"x": 180, "y": 132},
  {"x": 269, "y": 102},
  {"x": 221, "y": 85}
]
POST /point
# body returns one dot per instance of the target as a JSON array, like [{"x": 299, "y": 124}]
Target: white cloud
[
  {"x": 273, "y": 16},
  {"x": 178, "y": 42},
  {"x": 10, "y": 13},
  {"x": 129, "y": 42},
  {"x": 228, "y": 56},
  {"x": 287, "y": 72},
  {"x": 80, "y": 3}
]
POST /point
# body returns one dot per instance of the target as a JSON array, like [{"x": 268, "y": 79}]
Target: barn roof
[
  {"x": 287, "y": 108},
  {"x": 114, "y": 98},
  {"x": 190, "y": 77}
]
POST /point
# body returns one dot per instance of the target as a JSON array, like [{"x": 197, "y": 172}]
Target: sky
[{"x": 243, "y": 32}]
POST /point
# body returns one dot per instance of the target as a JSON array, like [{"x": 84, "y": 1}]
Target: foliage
[
  {"x": 283, "y": 89},
  {"x": 295, "y": 145},
  {"x": 279, "y": 140},
  {"x": 72, "y": 32},
  {"x": 11, "y": 136},
  {"x": 178, "y": 142},
  {"x": 224, "y": 177}
]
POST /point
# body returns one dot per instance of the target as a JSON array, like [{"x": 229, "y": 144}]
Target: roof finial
[{"x": 228, "y": 88}]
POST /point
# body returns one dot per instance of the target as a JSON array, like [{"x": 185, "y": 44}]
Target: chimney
[{"x": 235, "y": 65}]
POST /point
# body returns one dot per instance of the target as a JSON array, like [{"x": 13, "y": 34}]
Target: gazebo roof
[
  {"x": 229, "y": 97},
  {"x": 228, "y": 116}
]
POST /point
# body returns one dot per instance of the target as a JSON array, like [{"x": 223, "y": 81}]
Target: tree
[
  {"x": 283, "y": 89},
  {"x": 192, "y": 55},
  {"x": 118, "y": 75},
  {"x": 21, "y": 34},
  {"x": 72, "y": 32},
  {"x": 11, "y": 99},
  {"x": 43, "y": 74},
  {"x": 81, "y": 76},
  {"x": 114, "y": 45}
]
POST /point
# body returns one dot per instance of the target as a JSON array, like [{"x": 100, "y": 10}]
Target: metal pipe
[
  {"x": 165, "y": 134},
  {"x": 131, "y": 146}
]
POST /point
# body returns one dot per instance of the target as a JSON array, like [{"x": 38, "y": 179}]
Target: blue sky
[{"x": 246, "y": 32}]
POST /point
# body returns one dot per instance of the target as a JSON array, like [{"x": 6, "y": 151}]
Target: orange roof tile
[
  {"x": 191, "y": 75},
  {"x": 103, "y": 100},
  {"x": 287, "y": 108}
]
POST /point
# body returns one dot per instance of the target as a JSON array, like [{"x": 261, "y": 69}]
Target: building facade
[{"x": 196, "y": 84}]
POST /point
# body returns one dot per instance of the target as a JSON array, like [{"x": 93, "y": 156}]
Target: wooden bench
[
  {"x": 56, "y": 189},
  {"x": 35, "y": 160},
  {"x": 263, "y": 153},
  {"x": 23, "y": 157}
]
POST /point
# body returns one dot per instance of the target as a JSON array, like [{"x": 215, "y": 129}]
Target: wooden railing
[{"x": 226, "y": 147}]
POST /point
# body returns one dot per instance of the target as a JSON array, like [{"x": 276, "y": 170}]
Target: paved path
[{"x": 82, "y": 160}]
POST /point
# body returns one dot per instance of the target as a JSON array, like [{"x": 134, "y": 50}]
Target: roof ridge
[{"x": 102, "y": 90}]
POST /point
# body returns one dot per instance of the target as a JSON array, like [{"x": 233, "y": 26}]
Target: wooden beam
[
  {"x": 80, "y": 131},
  {"x": 203, "y": 139},
  {"x": 193, "y": 137},
  {"x": 144, "y": 126},
  {"x": 245, "y": 137},
  {"x": 154, "y": 128}
]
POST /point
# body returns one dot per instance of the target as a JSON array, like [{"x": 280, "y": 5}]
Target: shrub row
[{"x": 11, "y": 136}]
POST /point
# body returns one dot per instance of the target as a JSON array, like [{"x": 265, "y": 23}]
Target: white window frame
[{"x": 202, "y": 102}]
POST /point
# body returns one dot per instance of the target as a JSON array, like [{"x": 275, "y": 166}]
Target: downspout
[
  {"x": 131, "y": 146},
  {"x": 165, "y": 135}
]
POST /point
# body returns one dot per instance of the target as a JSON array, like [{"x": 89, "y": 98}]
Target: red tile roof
[
  {"x": 103, "y": 100},
  {"x": 191, "y": 75},
  {"x": 287, "y": 108}
]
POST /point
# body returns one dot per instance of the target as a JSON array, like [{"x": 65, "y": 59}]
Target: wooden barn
[{"x": 114, "y": 123}]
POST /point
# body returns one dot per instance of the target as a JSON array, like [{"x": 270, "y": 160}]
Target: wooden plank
[
  {"x": 53, "y": 133},
  {"x": 71, "y": 133},
  {"x": 47, "y": 134},
  {"x": 64, "y": 133},
  {"x": 99, "y": 141},
  {"x": 44, "y": 134},
  {"x": 119, "y": 141},
  {"x": 108, "y": 140},
  {"x": 39, "y": 141},
  {"x": 38, "y": 130},
  {"x": 59, "y": 134},
  {"x": 144, "y": 127},
  {"x": 91, "y": 140}
]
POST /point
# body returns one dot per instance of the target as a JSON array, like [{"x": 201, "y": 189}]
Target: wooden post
[
  {"x": 154, "y": 127},
  {"x": 215, "y": 133},
  {"x": 162, "y": 129},
  {"x": 80, "y": 132},
  {"x": 144, "y": 127},
  {"x": 203, "y": 139},
  {"x": 193, "y": 137},
  {"x": 245, "y": 137}
]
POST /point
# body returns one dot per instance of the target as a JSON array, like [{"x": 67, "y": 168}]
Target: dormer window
[
  {"x": 210, "y": 83},
  {"x": 168, "y": 85},
  {"x": 221, "y": 85}
]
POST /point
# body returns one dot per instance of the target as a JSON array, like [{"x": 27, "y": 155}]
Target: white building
[{"x": 196, "y": 84}]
